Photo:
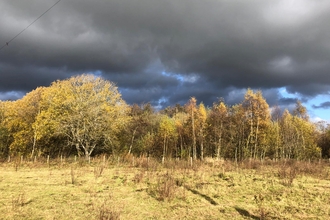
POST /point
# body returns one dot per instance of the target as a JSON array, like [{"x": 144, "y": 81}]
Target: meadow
[{"x": 144, "y": 188}]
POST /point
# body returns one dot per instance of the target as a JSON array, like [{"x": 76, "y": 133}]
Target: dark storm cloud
[
  {"x": 287, "y": 101},
  {"x": 324, "y": 105},
  {"x": 26, "y": 78},
  {"x": 168, "y": 51},
  {"x": 143, "y": 80}
]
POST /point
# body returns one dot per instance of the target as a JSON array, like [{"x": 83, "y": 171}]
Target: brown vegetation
[{"x": 177, "y": 189}]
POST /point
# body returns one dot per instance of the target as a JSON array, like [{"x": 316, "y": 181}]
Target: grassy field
[{"x": 145, "y": 189}]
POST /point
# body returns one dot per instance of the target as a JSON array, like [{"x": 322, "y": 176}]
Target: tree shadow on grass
[
  {"x": 209, "y": 199},
  {"x": 245, "y": 213}
]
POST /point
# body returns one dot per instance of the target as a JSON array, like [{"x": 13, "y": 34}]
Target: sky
[{"x": 166, "y": 51}]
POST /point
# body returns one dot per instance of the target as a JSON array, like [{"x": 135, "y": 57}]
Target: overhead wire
[{"x": 8, "y": 42}]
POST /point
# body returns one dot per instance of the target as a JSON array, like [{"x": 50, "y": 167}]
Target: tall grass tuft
[
  {"x": 18, "y": 201},
  {"x": 73, "y": 178},
  {"x": 287, "y": 173},
  {"x": 107, "y": 211},
  {"x": 259, "y": 200},
  {"x": 98, "y": 170},
  {"x": 166, "y": 187}
]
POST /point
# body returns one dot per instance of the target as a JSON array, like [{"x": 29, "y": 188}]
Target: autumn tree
[
  {"x": 238, "y": 131},
  {"x": 288, "y": 135},
  {"x": 306, "y": 139},
  {"x": 167, "y": 131},
  {"x": 201, "y": 125},
  {"x": 218, "y": 120},
  {"x": 137, "y": 122},
  {"x": 86, "y": 114},
  {"x": 258, "y": 118},
  {"x": 273, "y": 140},
  {"x": 298, "y": 137},
  {"x": 87, "y": 110},
  {"x": 300, "y": 111},
  {"x": 323, "y": 138},
  {"x": 5, "y": 137},
  {"x": 141, "y": 127},
  {"x": 20, "y": 118},
  {"x": 181, "y": 119},
  {"x": 191, "y": 108},
  {"x": 273, "y": 136}
]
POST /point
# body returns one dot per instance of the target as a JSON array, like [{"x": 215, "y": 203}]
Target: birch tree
[
  {"x": 191, "y": 110},
  {"x": 258, "y": 118},
  {"x": 218, "y": 119},
  {"x": 201, "y": 121}
]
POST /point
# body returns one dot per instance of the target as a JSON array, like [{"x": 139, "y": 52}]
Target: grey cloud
[
  {"x": 324, "y": 105},
  {"x": 287, "y": 101},
  {"x": 228, "y": 45},
  {"x": 11, "y": 95}
]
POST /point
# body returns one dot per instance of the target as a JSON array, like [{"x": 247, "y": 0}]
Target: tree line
[{"x": 86, "y": 116}]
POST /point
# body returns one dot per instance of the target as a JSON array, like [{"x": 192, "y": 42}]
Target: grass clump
[
  {"x": 98, "y": 170},
  {"x": 287, "y": 174},
  {"x": 259, "y": 200},
  {"x": 18, "y": 201},
  {"x": 165, "y": 189},
  {"x": 108, "y": 212}
]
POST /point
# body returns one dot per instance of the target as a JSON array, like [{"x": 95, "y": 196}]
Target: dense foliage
[{"x": 85, "y": 115}]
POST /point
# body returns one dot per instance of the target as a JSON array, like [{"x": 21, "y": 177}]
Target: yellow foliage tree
[
  {"x": 201, "y": 121},
  {"x": 167, "y": 131},
  {"x": 87, "y": 110},
  {"x": 191, "y": 108},
  {"x": 181, "y": 119},
  {"x": 257, "y": 114},
  {"x": 5, "y": 137},
  {"x": 298, "y": 136},
  {"x": 20, "y": 117},
  {"x": 218, "y": 118}
]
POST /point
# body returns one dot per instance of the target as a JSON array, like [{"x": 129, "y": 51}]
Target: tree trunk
[
  {"x": 132, "y": 140},
  {"x": 194, "y": 135},
  {"x": 219, "y": 141},
  {"x": 164, "y": 149},
  {"x": 181, "y": 146},
  {"x": 78, "y": 150},
  {"x": 219, "y": 149},
  {"x": 256, "y": 140},
  {"x": 34, "y": 144},
  {"x": 202, "y": 150}
]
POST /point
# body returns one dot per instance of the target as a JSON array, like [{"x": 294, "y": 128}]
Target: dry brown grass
[{"x": 146, "y": 189}]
